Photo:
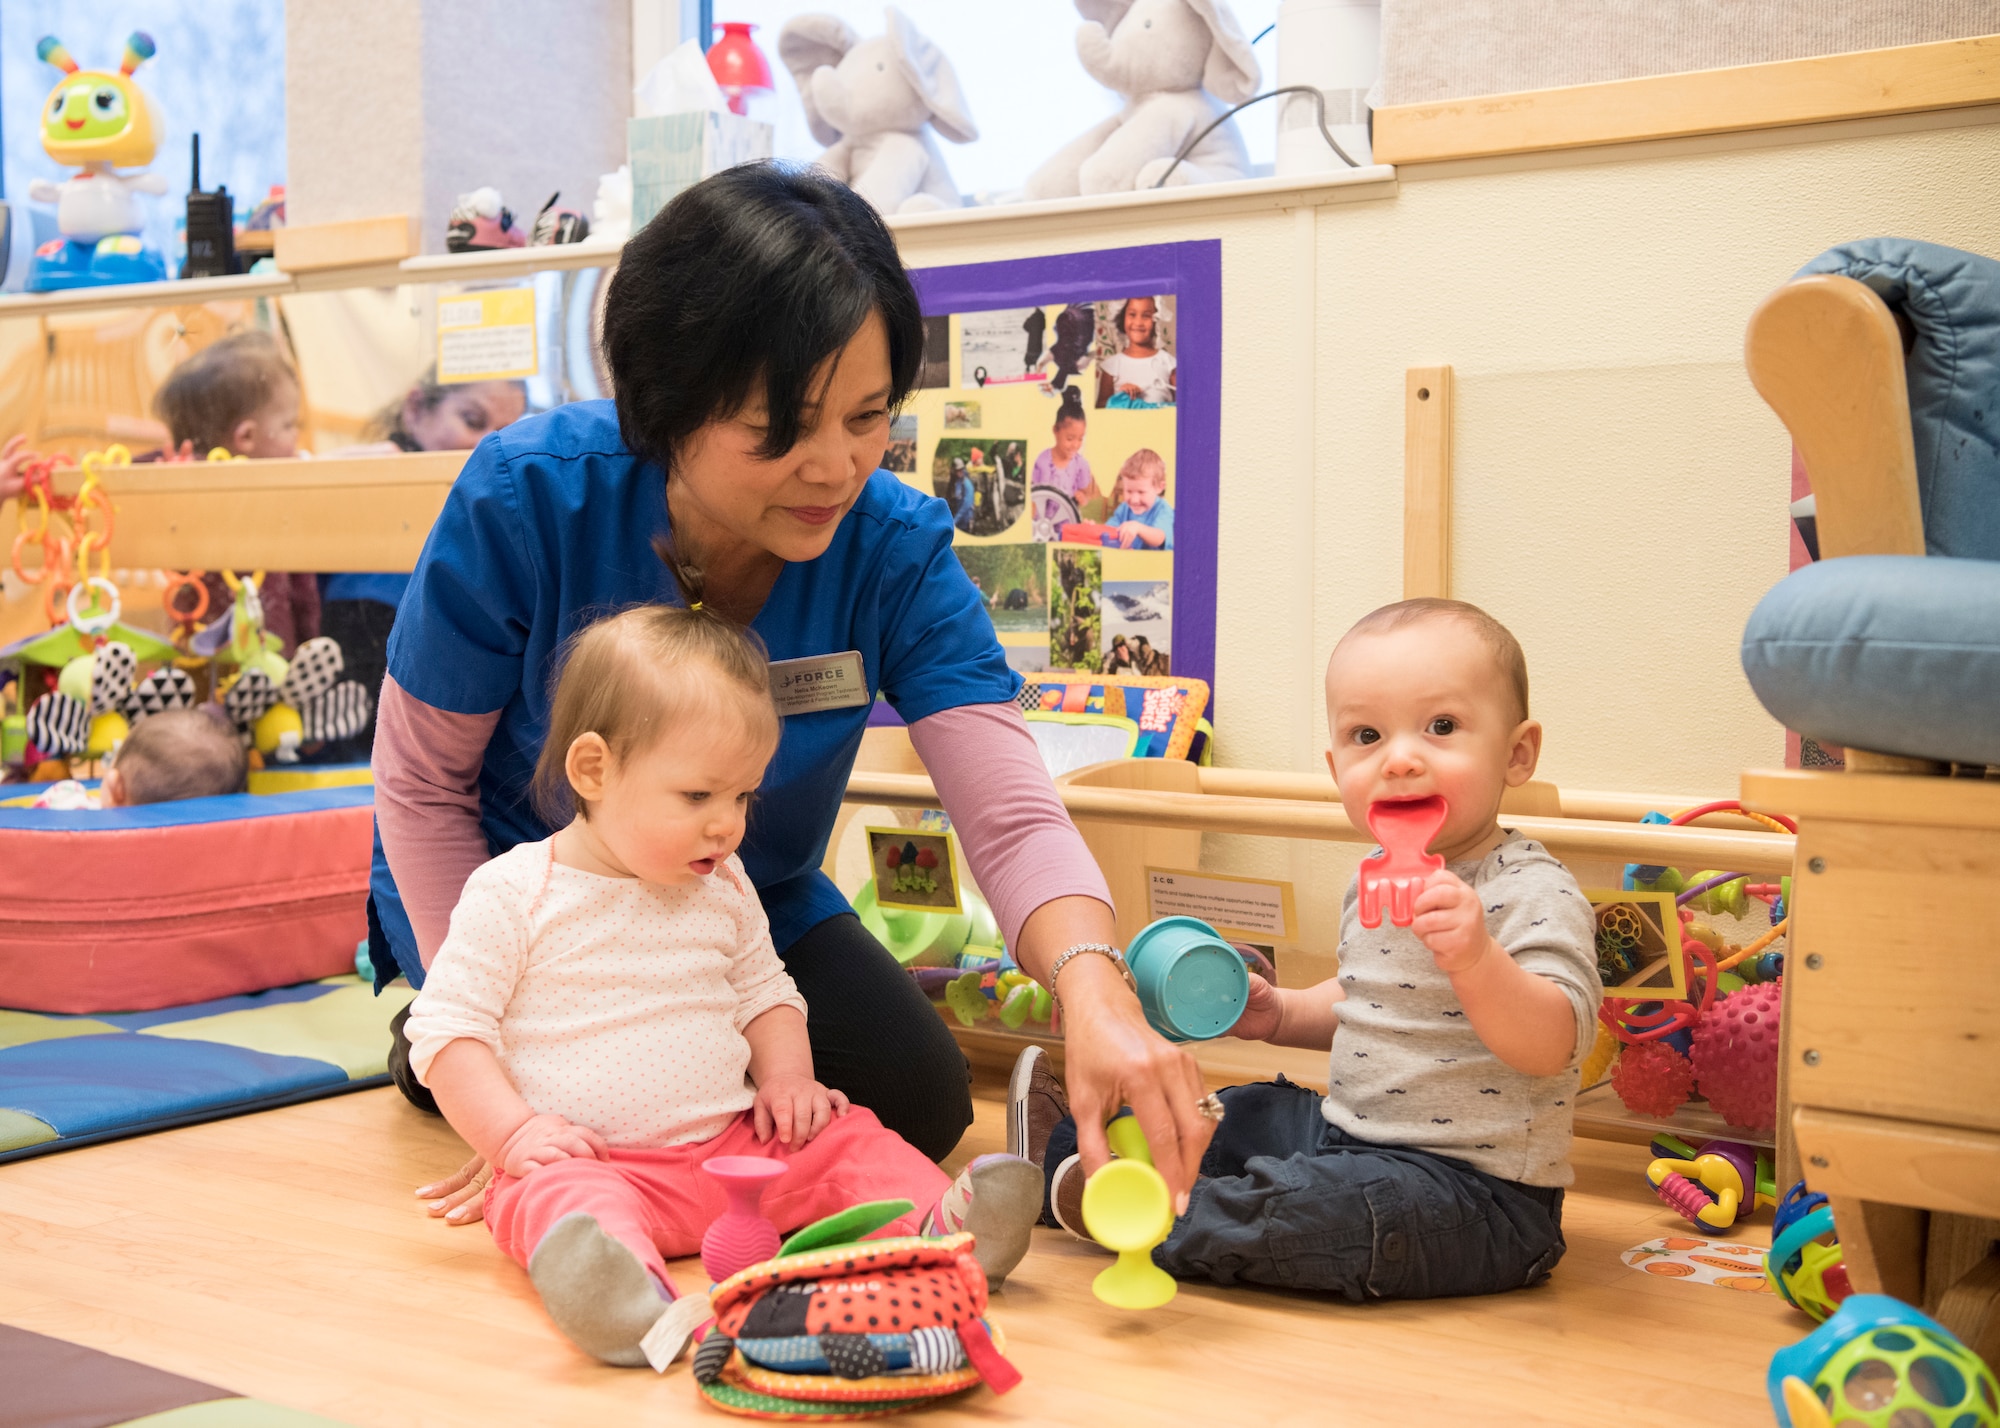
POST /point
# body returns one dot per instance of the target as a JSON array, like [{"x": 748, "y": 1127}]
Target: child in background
[
  {"x": 1063, "y": 465},
  {"x": 1141, "y": 375},
  {"x": 1435, "y": 1163},
  {"x": 175, "y": 754},
  {"x": 607, "y": 1011},
  {"x": 1143, "y": 518},
  {"x": 241, "y": 395}
]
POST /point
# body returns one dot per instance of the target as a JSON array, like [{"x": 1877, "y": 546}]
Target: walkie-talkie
[{"x": 211, "y": 228}]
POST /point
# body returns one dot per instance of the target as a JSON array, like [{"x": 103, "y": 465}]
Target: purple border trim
[{"x": 1193, "y": 273}]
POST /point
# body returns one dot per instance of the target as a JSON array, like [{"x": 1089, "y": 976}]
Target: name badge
[{"x": 829, "y": 681}]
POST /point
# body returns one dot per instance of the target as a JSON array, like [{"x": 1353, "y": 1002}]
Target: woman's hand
[
  {"x": 795, "y": 1109},
  {"x": 1112, "y": 1058},
  {"x": 459, "y": 1199},
  {"x": 543, "y": 1139}
]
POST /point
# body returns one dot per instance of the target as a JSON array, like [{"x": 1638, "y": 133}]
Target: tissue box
[{"x": 670, "y": 151}]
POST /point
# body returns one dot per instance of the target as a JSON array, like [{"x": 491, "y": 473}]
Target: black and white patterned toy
[
  {"x": 163, "y": 689},
  {"x": 58, "y": 725},
  {"x": 249, "y": 698},
  {"x": 111, "y": 672},
  {"x": 315, "y": 669},
  {"x": 340, "y": 713}
]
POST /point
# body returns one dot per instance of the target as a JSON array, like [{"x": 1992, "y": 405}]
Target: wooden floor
[{"x": 283, "y": 1256}]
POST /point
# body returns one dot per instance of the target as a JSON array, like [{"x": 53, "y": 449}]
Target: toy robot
[{"x": 97, "y": 120}]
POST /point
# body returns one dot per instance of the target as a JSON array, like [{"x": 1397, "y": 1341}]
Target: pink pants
[{"x": 657, "y": 1203}]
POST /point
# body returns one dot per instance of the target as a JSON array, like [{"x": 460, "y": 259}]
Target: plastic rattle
[
  {"x": 1404, "y": 827},
  {"x": 740, "y": 1236},
  {"x": 1725, "y": 1180},
  {"x": 1126, "y": 1208},
  {"x": 1877, "y": 1361}
]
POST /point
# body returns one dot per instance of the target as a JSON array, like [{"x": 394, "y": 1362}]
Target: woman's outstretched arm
[{"x": 1049, "y": 895}]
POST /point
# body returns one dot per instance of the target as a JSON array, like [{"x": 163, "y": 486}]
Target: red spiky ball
[
  {"x": 1735, "y": 1056},
  {"x": 1652, "y": 1079}
]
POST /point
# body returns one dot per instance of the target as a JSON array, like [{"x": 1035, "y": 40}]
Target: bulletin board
[{"x": 1130, "y": 340}]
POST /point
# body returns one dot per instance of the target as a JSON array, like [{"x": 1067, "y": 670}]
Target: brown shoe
[
  {"x": 1035, "y": 1103},
  {"x": 1066, "y": 1198}
]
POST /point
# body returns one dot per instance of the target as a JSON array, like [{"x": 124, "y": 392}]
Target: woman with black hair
[{"x": 760, "y": 332}]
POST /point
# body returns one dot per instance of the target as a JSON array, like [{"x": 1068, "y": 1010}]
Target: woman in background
[{"x": 359, "y": 610}]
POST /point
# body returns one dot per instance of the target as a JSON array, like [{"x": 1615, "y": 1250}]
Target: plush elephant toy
[
  {"x": 1171, "y": 60},
  {"x": 874, "y": 103}
]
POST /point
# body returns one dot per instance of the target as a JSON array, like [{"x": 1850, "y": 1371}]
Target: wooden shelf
[
  {"x": 332, "y": 513},
  {"x": 432, "y": 268},
  {"x": 1687, "y": 848}
]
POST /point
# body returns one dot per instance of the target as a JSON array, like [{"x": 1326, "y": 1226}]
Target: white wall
[
  {"x": 399, "y": 106},
  {"x": 1620, "y": 491}
]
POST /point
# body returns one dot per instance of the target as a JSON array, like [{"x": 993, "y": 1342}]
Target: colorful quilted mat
[
  {"x": 71, "y": 1080},
  {"x": 851, "y": 1329},
  {"x": 52, "y": 1383},
  {"x": 1167, "y": 710}
]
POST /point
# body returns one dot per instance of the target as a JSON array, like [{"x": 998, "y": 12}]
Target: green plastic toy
[
  {"x": 928, "y": 939},
  {"x": 1126, "y": 1208}
]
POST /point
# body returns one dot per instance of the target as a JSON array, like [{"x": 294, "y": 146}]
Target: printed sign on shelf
[
  {"x": 1248, "y": 907},
  {"x": 486, "y": 336}
]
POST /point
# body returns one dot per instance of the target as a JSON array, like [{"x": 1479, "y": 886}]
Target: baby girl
[{"x": 607, "y": 1011}]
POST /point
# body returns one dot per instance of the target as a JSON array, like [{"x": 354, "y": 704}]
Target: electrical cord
[{"x": 1319, "y": 117}]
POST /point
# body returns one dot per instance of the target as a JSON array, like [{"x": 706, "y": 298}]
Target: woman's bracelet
[{"x": 1101, "y": 949}]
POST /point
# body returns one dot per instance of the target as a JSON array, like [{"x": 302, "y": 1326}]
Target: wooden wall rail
[
  {"x": 1904, "y": 79},
  {"x": 1685, "y": 848},
  {"x": 334, "y": 513}
]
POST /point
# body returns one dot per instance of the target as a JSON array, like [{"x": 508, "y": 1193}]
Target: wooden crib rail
[
  {"x": 1532, "y": 800},
  {"x": 1689, "y": 848}
]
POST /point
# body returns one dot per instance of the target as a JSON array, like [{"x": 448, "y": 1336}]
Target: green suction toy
[{"x": 1126, "y": 1208}]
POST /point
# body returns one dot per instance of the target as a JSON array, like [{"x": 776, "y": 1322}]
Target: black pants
[
  {"x": 874, "y": 1036},
  {"x": 1287, "y": 1200}
]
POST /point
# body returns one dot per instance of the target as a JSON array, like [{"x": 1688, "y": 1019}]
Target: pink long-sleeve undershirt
[{"x": 1019, "y": 840}]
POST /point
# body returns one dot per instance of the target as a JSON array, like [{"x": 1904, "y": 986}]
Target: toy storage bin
[{"x": 131, "y": 909}]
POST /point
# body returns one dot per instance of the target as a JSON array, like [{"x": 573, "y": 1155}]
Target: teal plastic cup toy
[{"x": 1192, "y": 984}]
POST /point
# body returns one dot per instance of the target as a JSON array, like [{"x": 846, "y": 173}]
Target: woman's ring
[{"x": 1210, "y": 1107}]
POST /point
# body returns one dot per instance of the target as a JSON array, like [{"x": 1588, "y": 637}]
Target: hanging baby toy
[
  {"x": 279, "y": 704},
  {"x": 93, "y": 658},
  {"x": 97, "y": 120}
]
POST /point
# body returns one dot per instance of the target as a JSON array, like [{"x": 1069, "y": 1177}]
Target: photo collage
[{"x": 1050, "y": 431}]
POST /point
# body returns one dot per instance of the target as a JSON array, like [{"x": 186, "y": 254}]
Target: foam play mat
[
  {"x": 52, "y": 1383},
  {"x": 67, "y": 1081}
]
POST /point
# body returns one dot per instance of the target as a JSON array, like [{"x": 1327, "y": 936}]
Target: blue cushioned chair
[{"x": 1883, "y": 359}]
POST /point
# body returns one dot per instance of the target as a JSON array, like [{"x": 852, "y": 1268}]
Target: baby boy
[{"x": 1435, "y": 1163}]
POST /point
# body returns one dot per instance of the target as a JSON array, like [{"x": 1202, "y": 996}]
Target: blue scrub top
[{"x": 551, "y": 524}]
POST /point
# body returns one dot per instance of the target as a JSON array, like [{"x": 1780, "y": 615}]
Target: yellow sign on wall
[{"x": 486, "y": 336}]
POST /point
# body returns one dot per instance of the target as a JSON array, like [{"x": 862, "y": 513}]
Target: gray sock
[
  {"x": 1006, "y": 1202},
  {"x": 596, "y": 1290}
]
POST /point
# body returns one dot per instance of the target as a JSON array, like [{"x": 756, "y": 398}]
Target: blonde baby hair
[
  {"x": 1144, "y": 464},
  {"x": 633, "y": 677}
]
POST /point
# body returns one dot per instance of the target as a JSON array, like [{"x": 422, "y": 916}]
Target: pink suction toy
[
  {"x": 1404, "y": 827},
  {"x": 740, "y": 1236}
]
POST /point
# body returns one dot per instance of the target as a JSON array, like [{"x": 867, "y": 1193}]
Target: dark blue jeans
[{"x": 1289, "y": 1201}]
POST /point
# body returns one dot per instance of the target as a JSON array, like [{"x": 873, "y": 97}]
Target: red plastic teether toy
[{"x": 1404, "y": 827}]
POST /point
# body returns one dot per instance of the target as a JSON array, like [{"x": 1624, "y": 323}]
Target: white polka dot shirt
[{"x": 616, "y": 1003}]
